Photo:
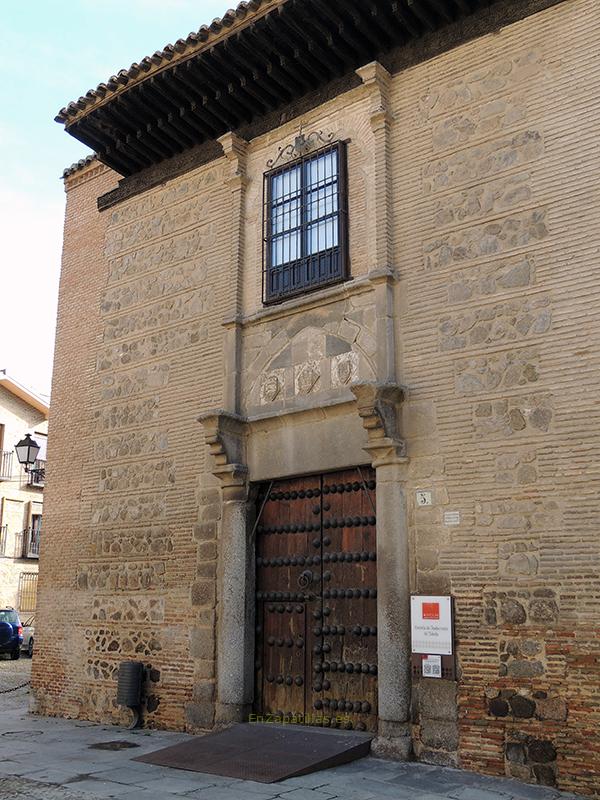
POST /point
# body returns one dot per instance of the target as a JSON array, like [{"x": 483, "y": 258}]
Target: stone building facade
[
  {"x": 459, "y": 357},
  {"x": 21, "y": 496}
]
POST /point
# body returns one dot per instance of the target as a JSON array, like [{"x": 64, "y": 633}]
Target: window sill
[{"x": 318, "y": 297}]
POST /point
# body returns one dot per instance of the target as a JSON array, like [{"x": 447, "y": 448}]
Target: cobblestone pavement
[
  {"x": 50, "y": 759},
  {"x": 14, "y": 673}
]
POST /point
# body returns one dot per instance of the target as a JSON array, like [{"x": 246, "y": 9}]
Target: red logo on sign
[{"x": 431, "y": 610}]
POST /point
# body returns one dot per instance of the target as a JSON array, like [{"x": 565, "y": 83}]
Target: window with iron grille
[
  {"x": 27, "y": 591},
  {"x": 305, "y": 224}
]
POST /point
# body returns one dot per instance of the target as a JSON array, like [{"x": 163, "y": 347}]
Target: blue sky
[{"x": 53, "y": 52}]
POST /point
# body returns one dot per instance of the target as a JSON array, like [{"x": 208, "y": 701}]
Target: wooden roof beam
[
  {"x": 162, "y": 150},
  {"x": 118, "y": 117},
  {"x": 148, "y": 155},
  {"x": 248, "y": 84},
  {"x": 256, "y": 57},
  {"x": 341, "y": 49},
  {"x": 143, "y": 99},
  {"x": 207, "y": 116},
  {"x": 209, "y": 64},
  {"x": 125, "y": 163},
  {"x": 167, "y": 91},
  {"x": 368, "y": 17},
  {"x": 279, "y": 66},
  {"x": 178, "y": 102},
  {"x": 208, "y": 121},
  {"x": 387, "y": 18},
  {"x": 464, "y": 6},
  {"x": 300, "y": 39},
  {"x": 175, "y": 127},
  {"x": 331, "y": 43},
  {"x": 228, "y": 115},
  {"x": 407, "y": 19},
  {"x": 119, "y": 161},
  {"x": 360, "y": 19},
  {"x": 133, "y": 137},
  {"x": 157, "y": 135},
  {"x": 296, "y": 52},
  {"x": 342, "y": 29},
  {"x": 261, "y": 41},
  {"x": 148, "y": 98},
  {"x": 184, "y": 121},
  {"x": 419, "y": 10},
  {"x": 255, "y": 76},
  {"x": 442, "y": 8},
  {"x": 99, "y": 145}
]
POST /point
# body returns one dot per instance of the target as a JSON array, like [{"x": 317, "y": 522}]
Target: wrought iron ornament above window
[{"x": 305, "y": 224}]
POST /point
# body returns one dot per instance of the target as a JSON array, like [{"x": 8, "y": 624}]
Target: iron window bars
[
  {"x": 28, "y": 591},
  {"x": 305, "y": 224}
]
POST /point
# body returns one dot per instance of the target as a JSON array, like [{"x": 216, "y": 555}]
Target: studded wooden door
[{"x": 316, "y": 614}]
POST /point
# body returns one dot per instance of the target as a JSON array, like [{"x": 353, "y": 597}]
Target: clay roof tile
[
  {"x": 83, "y": 162},
  {"x": 146, "y": 64}
]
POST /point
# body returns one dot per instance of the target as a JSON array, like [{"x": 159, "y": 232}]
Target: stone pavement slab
[{"x": 55, "y": 759}]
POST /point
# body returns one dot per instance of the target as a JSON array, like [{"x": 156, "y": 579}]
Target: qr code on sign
[{"x": 432, "y": 669}]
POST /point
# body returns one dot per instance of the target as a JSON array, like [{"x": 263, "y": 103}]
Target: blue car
[{"x": 11, "y": 633}]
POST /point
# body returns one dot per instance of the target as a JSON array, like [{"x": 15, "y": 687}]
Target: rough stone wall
[
  {"x": 496, "y": 205},
  {"x": 17, "y": 501}
]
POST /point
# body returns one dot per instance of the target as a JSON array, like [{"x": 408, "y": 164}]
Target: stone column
[
  {"x": 378, "y": 407},
  {"x": 225, "y": 435},
  {"x": 235, "y": 640}
]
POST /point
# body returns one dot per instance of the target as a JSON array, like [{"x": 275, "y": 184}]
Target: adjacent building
[
  {"x": 328, "y": 338},
  {"x": 21, "y": 495}
]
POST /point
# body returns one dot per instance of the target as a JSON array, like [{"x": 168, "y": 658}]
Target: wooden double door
[{"x": 316, "y": 600}]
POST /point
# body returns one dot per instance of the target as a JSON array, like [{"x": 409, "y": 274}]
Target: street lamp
[{"x": 27, "y": 452}]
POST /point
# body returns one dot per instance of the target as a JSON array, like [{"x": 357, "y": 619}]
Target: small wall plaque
[
  {"x": 451, "y": 517},
  {"x": 432, "y": 637},
  {"x": 423, "y": 498},
  {"x": 432, "y": 666},
  {"x": 431, "y": 624}
]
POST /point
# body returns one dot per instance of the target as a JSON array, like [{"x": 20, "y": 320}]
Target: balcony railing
[
  {"x": 27, "y": 543},
  {"x": 37, "y": 474},
  {"x": 3, "y": 539},
  {"x": 6, "y": 461},
  {"x": 32, "y": 543}
]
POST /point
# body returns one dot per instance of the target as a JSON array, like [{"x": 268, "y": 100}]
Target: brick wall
[
  {"x": 58, "y": 669},
  {"x": 138, "y": 357},
  {"x": 494, "y": 206}
]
